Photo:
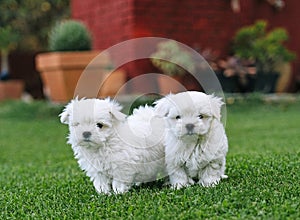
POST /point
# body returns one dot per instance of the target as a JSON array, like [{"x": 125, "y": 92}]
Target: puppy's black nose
[
  {"x": 189, "y": 127},
  {"x": 86, "y": 134}
]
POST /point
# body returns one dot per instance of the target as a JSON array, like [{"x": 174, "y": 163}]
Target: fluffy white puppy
[
  {"x": 195, "y": 143},
  {"x": 115, "y": 151}
]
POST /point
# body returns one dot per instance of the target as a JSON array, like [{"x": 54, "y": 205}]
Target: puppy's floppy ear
[
  {"x": 216, "y": 104},
  {"x": 115, "y": 111},
  {"x": 65, "y": 115},
  {"x": 117, "y": 114},
  {"x": 162, "y": 106}
]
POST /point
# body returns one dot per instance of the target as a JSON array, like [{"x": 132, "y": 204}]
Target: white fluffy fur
[
  {"x": 117, "y": 151},
  {"x": 195, "y": 143}
]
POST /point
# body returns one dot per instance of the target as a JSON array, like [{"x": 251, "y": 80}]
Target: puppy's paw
[
  {"x": 138, "y": 184},
  {"x": 103, "y": 190},
  {"x": 119, "y": 187},
  {"x": 191, "y": 181},
  {"x": 176, "y": 186},
  {"x": 209, "y": 182}
]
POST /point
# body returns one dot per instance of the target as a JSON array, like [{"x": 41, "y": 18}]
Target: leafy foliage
[
  {"x": 69, "y": 35},
  {"x": 265, "y": 48},
  {"x": 32, "y": 20},
  {"x": 245, "y": 38},
  {"x": 171, "y": 59},
  {"x": 8, "y": 38}
]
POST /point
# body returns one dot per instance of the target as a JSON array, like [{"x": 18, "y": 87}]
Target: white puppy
[
  {"x": 115, "y": 151},
  {"x": 195, "y": 143}
]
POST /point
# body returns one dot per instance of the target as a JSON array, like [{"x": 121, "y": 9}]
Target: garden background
[
  {"x": 200, "y": 25},
  {"x": 39, "y": 177}
]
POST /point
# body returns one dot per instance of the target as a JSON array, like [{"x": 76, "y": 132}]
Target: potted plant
[
  {"x": 266, "y": 49},
  {"x": 236, "y": 75},
  {"x": 9, "y": 88},
  {"x": 70, "y": 46},
  {"x": 174, "y": 62}
]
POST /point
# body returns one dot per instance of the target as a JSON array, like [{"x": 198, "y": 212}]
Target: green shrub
[
  {"x": 171, "y": 59},
  {"x": 264, "y": 47},
  {"x": 69, "y": 36}
]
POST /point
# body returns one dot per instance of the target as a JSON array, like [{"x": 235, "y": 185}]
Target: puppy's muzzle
[
  {"x": 190, "y": 128},
  {"x": 86, "y": 134}
]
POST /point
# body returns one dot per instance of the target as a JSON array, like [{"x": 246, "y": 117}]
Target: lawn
[{"x": 40, "y": 178}]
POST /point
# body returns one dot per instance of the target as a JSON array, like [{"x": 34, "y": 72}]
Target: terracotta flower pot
[
  {"x": 11, "y": 89},
  {"x": 60, "y": 72},
  {"x": 112, "y": 83}
]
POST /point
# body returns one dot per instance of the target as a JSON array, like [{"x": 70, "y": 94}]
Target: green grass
[{"x": 40, "y": 179}]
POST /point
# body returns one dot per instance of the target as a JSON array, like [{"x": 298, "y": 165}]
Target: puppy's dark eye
[
  {"x": 200, "y": 116},
  {"x": 178, "y": 117},
  {"x": 99, "y": 125}
]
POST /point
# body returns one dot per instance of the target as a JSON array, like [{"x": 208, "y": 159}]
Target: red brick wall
[
  {"x": 110, "y": 21},
  {"x": 197, "y": 23}
]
